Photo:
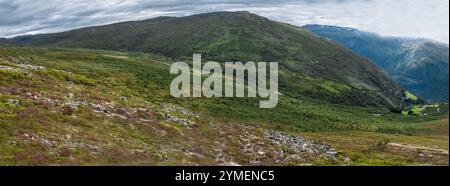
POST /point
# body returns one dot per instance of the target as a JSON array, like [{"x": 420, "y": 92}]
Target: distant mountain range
[
  {"x": 419, "y": 65},
  {"x": 310, "y": 66}
]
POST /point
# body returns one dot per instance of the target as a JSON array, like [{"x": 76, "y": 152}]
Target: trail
[{"x": 443, "y": 151}]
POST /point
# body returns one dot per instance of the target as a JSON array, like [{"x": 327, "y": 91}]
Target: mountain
[
  {"x": 309, "y": 66},
  {"x": 419, "y": 65},
  {"x": 5, "y": 42},
  {"x": 72, "y": 106}
]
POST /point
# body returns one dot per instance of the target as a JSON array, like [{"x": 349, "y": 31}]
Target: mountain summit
[{"x": 309, "y": 65}]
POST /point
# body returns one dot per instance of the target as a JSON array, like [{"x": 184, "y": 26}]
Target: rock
[
  {"x": 300, "y": 145},
  {"x": 184, "y": 122},
  {"x": 98, "y": 108},
  {"x": 181, "y": 110},
  {"x": 13, "y": 101},
  {"x": 31, "y": 96},
  {"x": 293, "y": 158},
  {"x": 74, "y": 104},
  {"x": 347, "y": 159},
  {"x": 49, "y": 101},
  {"x": 31, "y": 67},
  {"x": 92, "y": 148},
  {"x": 9, "y": 68},
  {"x": 233, "y": 164}
]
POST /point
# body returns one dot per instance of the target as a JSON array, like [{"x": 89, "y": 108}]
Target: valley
[
  {"x": 62, "y": 106},
  {"x": 419, "y": 65}
]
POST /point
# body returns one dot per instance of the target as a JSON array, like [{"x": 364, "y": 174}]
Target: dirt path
[{"x": 443, "y": 151}]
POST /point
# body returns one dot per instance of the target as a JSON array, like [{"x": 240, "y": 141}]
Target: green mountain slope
[
  {"x": 419, "y": 65},
  {"x": 310, "y": 66}
]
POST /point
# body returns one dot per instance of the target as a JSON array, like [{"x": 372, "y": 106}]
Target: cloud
[{"x": 406, "y": 18}]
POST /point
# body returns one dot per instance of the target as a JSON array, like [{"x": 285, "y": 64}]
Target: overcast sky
[{"x": 406, "y": 18}]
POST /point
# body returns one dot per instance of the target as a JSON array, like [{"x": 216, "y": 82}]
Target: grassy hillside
[
  {"x": 77, "y": 106},
  {"x": 310, "y": 66}
]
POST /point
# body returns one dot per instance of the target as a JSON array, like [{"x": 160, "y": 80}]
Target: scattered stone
[
  {"x": 9, "y": 68},
  {"x": 172, "y": 108},
  {"x": 301, "y": 145},
  {"x": 293, "y": 158},
  {"x": 38, "y": 139},
  {"x": 230, "y": 164},
  {"x": 182, "y": 121},
  {"x": 74, "y": 104},
  {"x": 31, "y": 67},
  {"x": 31, "y": 95},
  {"x": 13, "y": 101},
  {"x": 99, "y": 108},
  {"x": 347, "y": 159},
  {"x": 50, "y": 101}
]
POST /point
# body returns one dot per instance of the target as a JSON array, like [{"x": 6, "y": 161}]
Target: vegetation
[
  {"x": 419, "y": 65},
  {"x": 309, "y": 66},
  {"x": 99, "y": 106},
  {"x": 42, "y": 124}
]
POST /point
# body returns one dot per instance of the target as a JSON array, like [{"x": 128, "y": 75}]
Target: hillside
[
  {"x": 94, "y": 107},
  {"x": 5, "y": 42},
  {"x": 310, "y": 66},
  {"x": 421, "y": 66}
]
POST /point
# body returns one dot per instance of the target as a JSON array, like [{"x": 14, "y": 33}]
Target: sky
[{"x": 404, "y": 18}]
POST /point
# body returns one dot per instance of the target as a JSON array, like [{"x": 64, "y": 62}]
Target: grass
[
  {"x": 105, "y": 76},
  {"x": 8, "y": 75},
  {"x": 363, "y": 147},
  {"x": 146, "y": 76}
]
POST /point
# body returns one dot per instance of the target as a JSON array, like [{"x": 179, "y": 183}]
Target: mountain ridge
[{"x": 310, "y": 66}]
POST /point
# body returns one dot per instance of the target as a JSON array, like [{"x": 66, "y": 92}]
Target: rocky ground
[{"x": 74, "y": 103}]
